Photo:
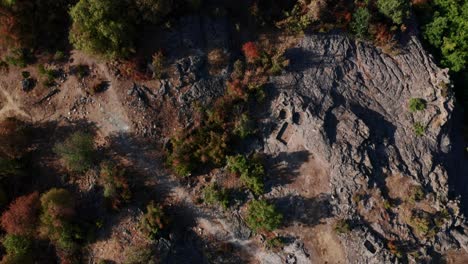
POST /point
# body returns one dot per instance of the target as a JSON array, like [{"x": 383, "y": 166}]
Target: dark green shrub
[
  {"x": 416, "y": 194},
  {"x": 360, "y": 23},
  {"x": 10, "y": 168},
  {"x": 238, "y": 69},
  {"x": 81, "y": 71},
  {"x": 244, "y": 127},
  {"x": 296, "y": 20},
  {"x": 262, "y": 216},
  {"x": 251, "y": 172},
  {"x": 274, "y": 243},
  {"x": 342, "y": 226},
  {"x": 59, "y": 55},
  {"x": 77, "y": 151},
  {"x": 417, "y": 104},
  {"x": 396, "y": 10},
  {"x": 422, "y": 223},
  {"x": 19, "y": 57},
  {"x": 16, "y": 245},
  {"x": 419, "y": 129},
  {"x": 25, "y": 74},
  {"x": 48, "y": 75},
  {"x": 213, "y": 194},
  {"x": 153, "y": 221},
  {"x": 158, "y": 65}
]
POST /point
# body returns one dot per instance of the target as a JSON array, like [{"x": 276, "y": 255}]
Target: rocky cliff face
[{"x": 346, "y": 103}]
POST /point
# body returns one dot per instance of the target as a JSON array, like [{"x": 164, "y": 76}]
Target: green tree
[
  {"x": 396, "y": 10},
  {"x": 102, "y": 27},
  {"x": 262, "y": 216},
  {"x": 251, "y": 172},
  {"x": 360, "y": 23},
  {"x": 77, "y": 151},
  {"x": 58, "y": 210},
  {"x": 447, "y": 30}
]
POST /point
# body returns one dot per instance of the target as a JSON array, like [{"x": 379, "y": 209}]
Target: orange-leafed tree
[
  {"x": 21, "y": 218},
  {"x": 251, "y": 51}
]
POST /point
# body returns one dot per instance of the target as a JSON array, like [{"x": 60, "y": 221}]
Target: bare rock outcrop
[{"x": 346, "y": 102}]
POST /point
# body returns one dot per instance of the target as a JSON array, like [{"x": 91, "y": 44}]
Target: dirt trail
[{"x": 10, "y": 106}]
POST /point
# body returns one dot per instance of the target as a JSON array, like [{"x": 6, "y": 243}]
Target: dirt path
[{"x": 10, "y": 106}]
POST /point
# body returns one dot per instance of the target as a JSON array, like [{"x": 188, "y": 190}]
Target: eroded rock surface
[{"x": 346, "y": 103}]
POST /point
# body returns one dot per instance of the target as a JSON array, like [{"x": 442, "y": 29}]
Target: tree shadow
[
  {"x": 285, "y": 167},
  {"x": 306, "y": 211}
]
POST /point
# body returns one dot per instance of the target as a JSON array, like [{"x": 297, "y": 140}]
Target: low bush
[
  {"x": 238, "y": 70},
  {"x": 244, "y": 127},
  {"x": 81, "y": 71},
  {"x": 422, "y": 223},
  {"x": 416, "y": 193},
  {"x": 157, "y": 65},
  {"x": 342, "y": 226},
  {"x": 419, "y": 129},
  {"x": 116, "y": 187},
  {"x": 213, "y": 194},
  {"x": 395, "y": 249},
  {"x": 19, "y": 57},
  {"x": 77, "y": 151},
  {"x": 417, "y": 104},
  {"x": 262, "y": 216},
  {"x": 297, "y": 20},
  {"x": 48, "y": 75},
  {"x": 274, "y": 243},
  {"x": 153, "y": 221}
]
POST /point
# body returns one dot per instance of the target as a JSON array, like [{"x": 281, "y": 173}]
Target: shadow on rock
[
  {"x": 306, "y": 211},
  {"x": 285, "y": 167}
]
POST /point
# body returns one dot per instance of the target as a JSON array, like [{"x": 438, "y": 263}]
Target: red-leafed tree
[
  {"x": 9, "y": 36},
  {"x": 251, "y": 51},
  {"x": 21, "y": 218}
]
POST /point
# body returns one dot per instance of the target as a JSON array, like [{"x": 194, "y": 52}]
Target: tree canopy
[
  {"x": 448, "y": 31},
  {"x": 102, "y": 27}
]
